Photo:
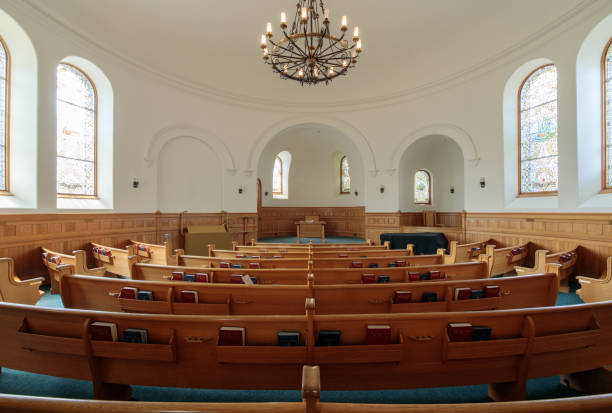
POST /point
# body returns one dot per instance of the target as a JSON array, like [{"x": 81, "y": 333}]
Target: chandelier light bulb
[
  {"x": 266, "y": 54},
  {"x": 269, "y": 29},
  {"x": 301, "y": 73},
  {"x": 285, "y": 69},
  {"x": 356, "y": 34},
  {"x": 344, "y": 63},
  {"x": 358, "y": 46},
  {"x": 344, "y": 23},
  {"x": 331, "y": 71},
  {"x": 284, "y": 20},
  {"x": 304, "y": 15},
  {"x": 316, "y": 72},
  {"x": 264, "y": 41},
  {"x": 326, "y": 14}
]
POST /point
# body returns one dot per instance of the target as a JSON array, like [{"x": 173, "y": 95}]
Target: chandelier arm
[
  {"x": 323, "y": 70},
  {"x": 332, "y": 43},
  {"x": 334, "y": 53},
  {"x": 287, "y": 50},
  {"x": 294, "y": 44}
]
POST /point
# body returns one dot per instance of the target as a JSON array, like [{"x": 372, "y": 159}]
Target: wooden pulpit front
[{"x": 310, "y": 227}]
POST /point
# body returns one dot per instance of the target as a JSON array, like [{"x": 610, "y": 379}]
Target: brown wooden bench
[
  {"x": 58, "y": 264},
  {"x": 567, "y": 261},
  {"x": 157, "y": 254},
  {"x": 503, "y": 260},
  {"x": 95, "y": 293},
  {"x": 212, "y": 252},
  {"x": 464, "y": 252},
  {"x": 15, "y": 290},
  {"x": 596, "y": 289},
  {"x": 115, "y": 260},
  {"x": 254, "y": 243},
  {"x": 182, "y": 351}
]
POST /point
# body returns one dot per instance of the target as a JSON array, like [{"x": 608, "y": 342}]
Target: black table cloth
[{"x": 424, "y": 242}]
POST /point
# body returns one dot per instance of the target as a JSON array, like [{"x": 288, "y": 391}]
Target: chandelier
[{"x": 309, "y": 53}]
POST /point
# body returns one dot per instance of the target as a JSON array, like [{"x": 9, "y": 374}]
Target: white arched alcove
[
  {"x": 105, "y": 134},
  {"x": 23, "y": 116},
  {"x": 588, "y": 116}
]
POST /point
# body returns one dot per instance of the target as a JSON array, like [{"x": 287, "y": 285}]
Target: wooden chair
[
  {"x": 157, "y": 254},
  {"x": 183, "y": 351},
  {"x": 464, "y": 252},
  {"x": 59, "y": 264},
  {"x": 118, "y": 261},
  {"x": 567, "y": 263},
  {"x": 103, "y": 294},
  {"x": 596, "y": 289},
  {"x": 503, "y": 260},
  {"x": 13, "y": 289}
]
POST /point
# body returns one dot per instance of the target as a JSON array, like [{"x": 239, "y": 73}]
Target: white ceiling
[{"x": 214, "y": 45}]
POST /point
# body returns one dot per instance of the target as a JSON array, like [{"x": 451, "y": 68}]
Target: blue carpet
[{"x": 18, "y": 382}]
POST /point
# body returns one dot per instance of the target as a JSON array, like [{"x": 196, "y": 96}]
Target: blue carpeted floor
[{"x": 17, "y": 382}]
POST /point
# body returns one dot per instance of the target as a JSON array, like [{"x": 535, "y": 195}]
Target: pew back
[
  {"x": 157, "y": 254},
  {"x": 13, "y": 289},
  {"x": 567, "y": 261},
  {"x": 77, "y": 262},
  {"x": 503, "y": 260},
  {"x": 118, "y": 261},
  {"x": 596, "y": 289},
  {"x": 316, "y": 254}
]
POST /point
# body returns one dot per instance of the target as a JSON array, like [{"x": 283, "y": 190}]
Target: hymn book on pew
[
  {"x": 101, "y": 331},
  {"x": 135, "y": 335},
  {"x": 188, "y": 296},
  {"x": 231, "y": 336},
  {"x": 378, "y": 334},
  {"x": 328, "y": 338},
  {"x": 288, "y": 338}
]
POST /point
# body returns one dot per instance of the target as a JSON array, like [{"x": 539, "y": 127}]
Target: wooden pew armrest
[
  {"x": 32, "y": 281},
  {"x": 523, "y": 270},
  {"x": 179, "y": 251},
  {"x": 99, "y": 271},
  {"x": 589, "y": 280}
]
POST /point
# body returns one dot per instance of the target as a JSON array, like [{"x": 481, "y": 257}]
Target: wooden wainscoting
[
  {"x": 551, "y": 231},
  {"x": 21, "y": 236},
  {"x": 451, "y": 224},
  {"x": 380, "y": 222},
  {"x": 340, "y": 221}
]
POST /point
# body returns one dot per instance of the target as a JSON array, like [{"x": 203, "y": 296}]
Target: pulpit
[{"x": 310, "y": 227}]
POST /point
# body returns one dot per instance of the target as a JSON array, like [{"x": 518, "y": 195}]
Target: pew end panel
[
  {"x": 596, "y": 289},
  {"x": 15, "y": 290}
]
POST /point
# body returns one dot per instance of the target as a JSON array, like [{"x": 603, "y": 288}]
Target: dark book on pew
[
  {"x": 224, "y": 264},
  {"x": 491, "y": 291},
  {"x": 254, "y": 280},
  {"x": 372, "y": 265},
  {"x": 188, "y": 296},
  {"x": 135, "y": 335},
  {"x": 231, "y": 336},
  {"x": 356, "y": 264},
  {"x": 277, "y": 256},
  {"x": 477, "y": 294},
  {"x": 459, "y": 331},
  {"x": 481, "y": 333},
  {"x": 463, "y": 293},
  {"x": 236, "y": 265},
  {"x": 414, "y": 276},
  {"x": 254, "y": 265},
  {"x": 101, "y": 331},
  {"x": 402, "y": 297},
  {"x": 202, "y": 277},
  {"x": 342, "y": 255},
  {"x": 145, "y": 295},
  {"x": 391, "y": 265},
  {"x": 328, "y": 338},
  {"x": 368, "y": 278},
  {"x": 177, "y": 276},
  {"x": 435, "y": 275},
  {"x": 128, "y": 293},
  {"x": 384, "y": 279},
  {"x": 236, "y": 278},
  {"x": 428, "y": 297},
  {"x": 400, "y": 263},
  {"x": 282, "y": 250},
  {"x": 424, "y": 276},
  {"x": 288, "y": 338},
  {"x": 240, "y": 256},
  {"x": 189, "y": 278},
  {"x": 378, "y": 334}
]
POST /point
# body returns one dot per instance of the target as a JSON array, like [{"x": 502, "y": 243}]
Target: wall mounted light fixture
[
  {"x": 482, "y": 182},
  {"x": 382, "y": 189},
  {"x": 452, "y": 189}
]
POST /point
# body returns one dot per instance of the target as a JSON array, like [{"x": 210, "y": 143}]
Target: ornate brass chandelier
[{"x": 309, "y": 53}]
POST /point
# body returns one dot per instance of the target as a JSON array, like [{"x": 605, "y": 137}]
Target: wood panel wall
[
  {"x": 380, "y": 222},
  {"x": 340, "y": 221},
  {"x": 21, "y": 236}
]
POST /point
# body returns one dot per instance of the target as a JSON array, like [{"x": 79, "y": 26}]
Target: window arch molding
[
  {"x": 5, "y": 109},
  {"x": 345, "y": 176},
  {"x": 280, "y": 170},
  {"x": 422, "y": 187},
  {"x": 606, "y": 118},
  {"x": 538, "y": 154}
]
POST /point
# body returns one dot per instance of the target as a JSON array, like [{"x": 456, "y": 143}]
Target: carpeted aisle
[{"x": 17, "y": 382}]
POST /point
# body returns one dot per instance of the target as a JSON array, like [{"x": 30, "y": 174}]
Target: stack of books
[
  {"x": 466, "y": 293},
  {"x": 430, "y": 275},
  {"x": 468, "y": 332}
]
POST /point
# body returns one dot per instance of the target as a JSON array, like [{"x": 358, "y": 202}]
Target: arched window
[
  {"x": 4, "y": 117},
  {"x": 277, "y": 177},
  {"x": 539, "y": 155},
  {"x": 422, "y": 187},
  {"x": 345, "y": 176},
  {"x": 76, "y": 133},
  {"x": 607, "y": 117}
]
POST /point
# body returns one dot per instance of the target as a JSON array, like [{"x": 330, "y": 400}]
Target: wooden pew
[
  {"x": 254, "y": 243},
  {"x": 503, "y": 260},
  {"x": 58, "y": 264},
  {"x": 323, "y": 276},
  {"x": 13, "y": 289},
  {"x": 316, "y": 254},
  {"x": 311, "y": 392},
  {"x": 596, "y": 289},
  {"x": 94, "y": 293},
  {"x": 254, "y": 249},
  {"x": 567, "y": 262},
  {"x": 157, "y": 254},
  {"x": 118, "y": 262},
  {"x": 183, "y": 350},
  {"x": 464, "y": 252},
  {"x": 214, "y": 262}
]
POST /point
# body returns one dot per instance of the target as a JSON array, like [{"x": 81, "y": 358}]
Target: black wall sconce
[
  {"x": 266, "y": 193},
  {"x": 356, "y": 193},
  {"x": 452, "y": 189},
  {"x": 382, "y": 189},
  {"x": 240, "y": 190},
  {"x": 482, "y": 182},
  {"x": 135, "y": 183}
]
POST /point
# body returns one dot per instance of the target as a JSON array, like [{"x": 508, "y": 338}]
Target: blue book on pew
[
  {"x": 328, "y": 338},
  {"x": 288, "y": 338},
  {"x": 392, "y": 264},
  {"x": 189, "y": 278},
  {"x": 254, "y": 279},
  {"x": 135, "y": 335},
  {"x": 145, "y": 295},
  {"x": 384, "y": 279},
  {"x": 372, "y": 265},
  {"x": 477, "y": 294},
  {"x": 429, "y": 297},
  {"x": 236, "y": 265}
]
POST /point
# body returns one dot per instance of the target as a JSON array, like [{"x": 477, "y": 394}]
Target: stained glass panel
[
  {"x": 422, "y": 187},
  {"x": 607, "y": 153},
  {"x": 3, "y": 120},
  {"x": 538, "y": 132},
  {"x": 277, "y": 176},
  {"x": 345, "y": 176},
  {"x": 76, "y": 132}
]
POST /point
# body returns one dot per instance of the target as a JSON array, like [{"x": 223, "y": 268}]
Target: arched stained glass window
[
  {"x": 345, "y": 176},
  {"x": 422, "y": 187},
  {"x": 277, "y": 177},
  {"x": 4, "y": 112},
  {"x": 539, "y": 155},
  {"x": 607, "y": 113},
  {"x": 76, "y": 133}
]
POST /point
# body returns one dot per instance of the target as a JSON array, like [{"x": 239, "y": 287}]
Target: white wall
[
  {"x": 314, "y": 175},
  {"x": 442, "y": 158},
  {"x": 467, "y": 109}
]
